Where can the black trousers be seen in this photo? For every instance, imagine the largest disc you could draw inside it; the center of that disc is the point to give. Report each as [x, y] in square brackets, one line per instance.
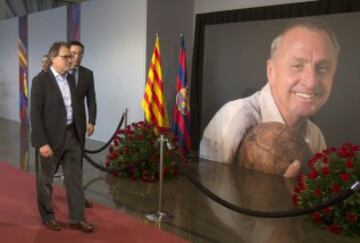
[70, 159]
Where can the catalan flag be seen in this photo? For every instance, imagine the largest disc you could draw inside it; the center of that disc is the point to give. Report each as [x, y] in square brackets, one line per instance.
[153, 103]
[181, 112]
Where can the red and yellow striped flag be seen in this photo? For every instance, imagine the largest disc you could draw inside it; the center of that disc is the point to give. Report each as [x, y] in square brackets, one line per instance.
[154, 103]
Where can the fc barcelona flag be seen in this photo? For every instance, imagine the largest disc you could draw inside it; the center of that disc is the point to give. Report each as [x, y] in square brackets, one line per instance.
[181, 113]
[154, 103]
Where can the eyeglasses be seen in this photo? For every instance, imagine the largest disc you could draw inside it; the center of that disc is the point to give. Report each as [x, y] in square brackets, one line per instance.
[67, 56]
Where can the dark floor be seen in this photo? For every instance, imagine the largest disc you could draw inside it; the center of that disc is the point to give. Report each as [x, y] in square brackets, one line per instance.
[194, 217]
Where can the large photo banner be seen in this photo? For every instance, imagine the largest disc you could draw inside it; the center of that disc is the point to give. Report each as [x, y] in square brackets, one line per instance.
[240, 66]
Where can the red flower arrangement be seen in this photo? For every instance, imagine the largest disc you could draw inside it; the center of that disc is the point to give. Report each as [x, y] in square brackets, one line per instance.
[138, 142]
[332, 171]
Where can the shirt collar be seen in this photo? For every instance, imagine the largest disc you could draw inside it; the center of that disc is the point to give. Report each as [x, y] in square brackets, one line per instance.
[268, 108]
[56, 74]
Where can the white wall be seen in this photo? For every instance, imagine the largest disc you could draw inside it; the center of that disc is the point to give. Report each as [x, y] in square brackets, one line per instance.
[114, 35]
[9, 70]
[44, 28]
[205, 6]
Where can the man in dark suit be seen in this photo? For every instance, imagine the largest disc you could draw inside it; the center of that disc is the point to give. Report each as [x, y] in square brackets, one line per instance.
[56, 135]
[84, 91]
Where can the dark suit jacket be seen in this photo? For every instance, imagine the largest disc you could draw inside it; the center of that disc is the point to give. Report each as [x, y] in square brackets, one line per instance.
[48, 112]
[85, 89]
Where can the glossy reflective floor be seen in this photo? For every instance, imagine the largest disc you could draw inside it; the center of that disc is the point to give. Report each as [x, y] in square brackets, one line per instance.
[195, 217]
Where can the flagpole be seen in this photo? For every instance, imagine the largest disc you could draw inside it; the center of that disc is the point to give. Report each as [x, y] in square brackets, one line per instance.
[154, 106]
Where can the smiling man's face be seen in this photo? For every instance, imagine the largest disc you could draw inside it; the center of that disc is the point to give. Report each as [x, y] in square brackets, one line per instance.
[301, 73]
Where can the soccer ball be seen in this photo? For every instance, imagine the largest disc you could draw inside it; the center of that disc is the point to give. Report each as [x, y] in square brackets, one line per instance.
[270, 147]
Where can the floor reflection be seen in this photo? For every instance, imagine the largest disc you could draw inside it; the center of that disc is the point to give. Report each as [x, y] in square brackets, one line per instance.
[195, 217]
[249, 190]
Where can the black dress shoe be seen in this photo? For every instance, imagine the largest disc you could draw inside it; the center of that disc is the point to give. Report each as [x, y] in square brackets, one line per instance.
[51, 224]
[88, 204]
[83, 226]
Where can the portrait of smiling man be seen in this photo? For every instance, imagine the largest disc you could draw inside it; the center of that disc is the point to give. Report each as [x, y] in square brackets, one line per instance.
[300, 71]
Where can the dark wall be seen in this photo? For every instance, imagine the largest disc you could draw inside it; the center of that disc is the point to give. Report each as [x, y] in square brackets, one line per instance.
[169, 18]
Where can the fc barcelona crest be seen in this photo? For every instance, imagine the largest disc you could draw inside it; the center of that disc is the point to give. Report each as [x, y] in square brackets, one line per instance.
[182, 101]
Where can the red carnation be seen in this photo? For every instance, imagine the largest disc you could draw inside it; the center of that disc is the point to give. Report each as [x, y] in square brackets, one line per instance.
[349, 163]
[325, 170]
[318, 155]
[144, 178]
[326, 151]
[311, 162]
[295, 199]
[302, 186]
[297, 189]
[175, 172]
[317, 192]
[300, 178]
[327, 210]
[346, 152]
[351, 217]
[121, 131]
[316, 216]
[313, 174]
[334, 228]
[344, 177]
[335, 188]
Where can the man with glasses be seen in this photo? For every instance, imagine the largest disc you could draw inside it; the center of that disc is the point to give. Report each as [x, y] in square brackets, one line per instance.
[84, 91]
[56, 135]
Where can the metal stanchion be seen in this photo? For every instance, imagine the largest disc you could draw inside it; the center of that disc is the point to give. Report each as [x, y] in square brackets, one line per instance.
[160, 216]
[126, 117]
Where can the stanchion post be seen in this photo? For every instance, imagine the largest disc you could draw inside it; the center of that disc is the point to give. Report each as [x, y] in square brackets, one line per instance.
[126, 116]
[160, 216]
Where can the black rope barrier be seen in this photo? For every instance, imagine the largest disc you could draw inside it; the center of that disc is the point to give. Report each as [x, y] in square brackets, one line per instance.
[121, 168]
[355, 187]
[110, 140]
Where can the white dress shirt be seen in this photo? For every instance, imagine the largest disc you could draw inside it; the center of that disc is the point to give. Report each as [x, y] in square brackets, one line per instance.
[65, 91]
[227, 128]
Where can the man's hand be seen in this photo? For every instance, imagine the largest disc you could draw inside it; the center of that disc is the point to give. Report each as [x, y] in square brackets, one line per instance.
[45, 151]
[90, 129]
[293, 170]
